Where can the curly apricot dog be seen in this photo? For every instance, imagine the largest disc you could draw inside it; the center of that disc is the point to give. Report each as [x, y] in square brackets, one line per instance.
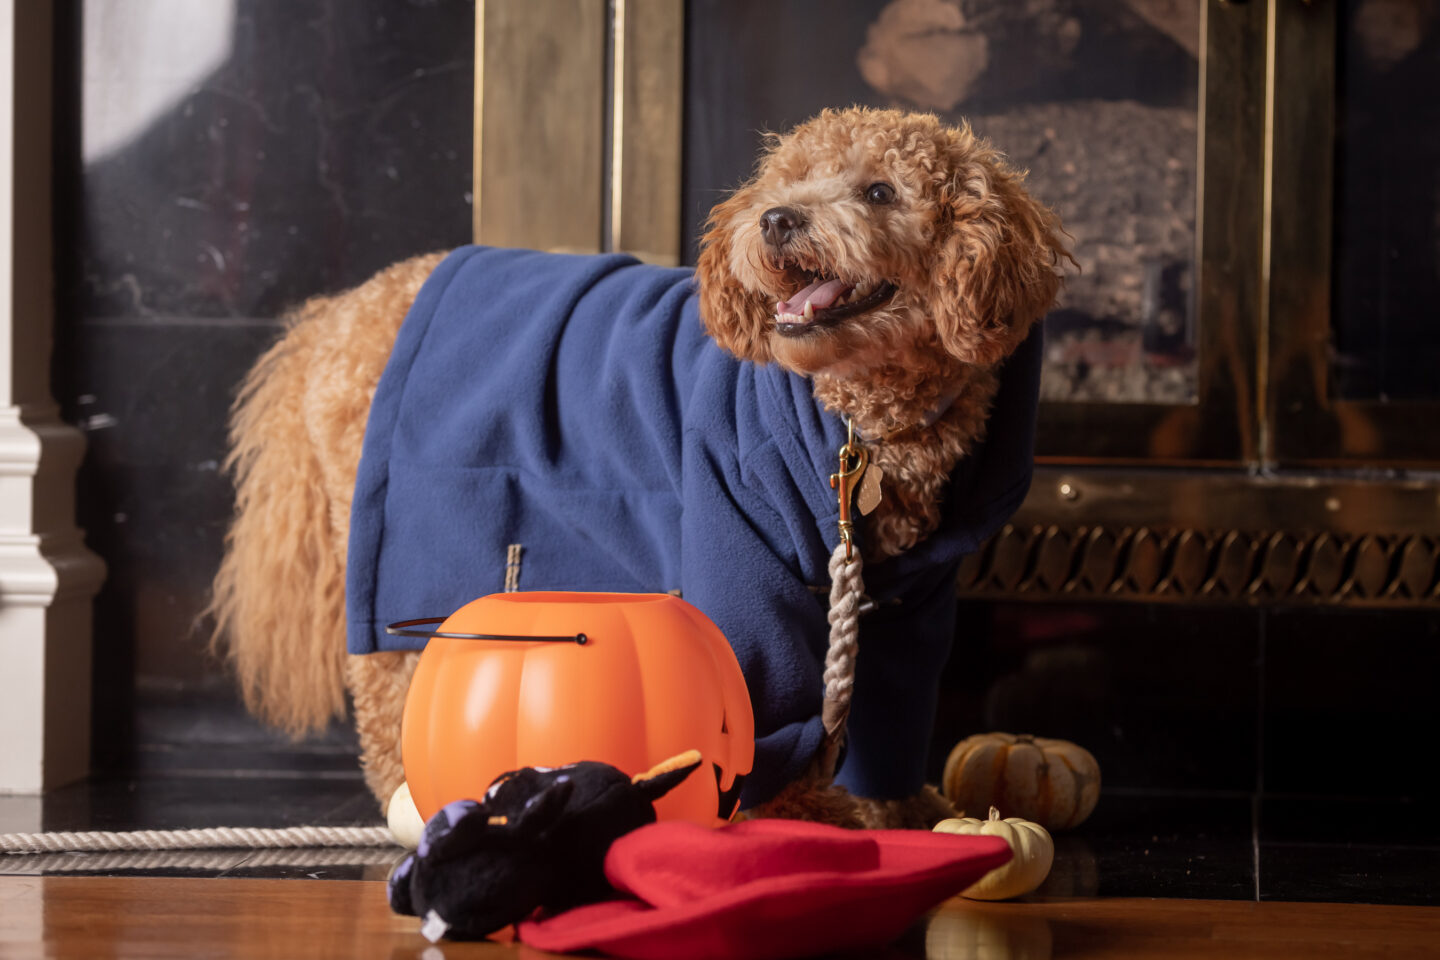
[880, 267]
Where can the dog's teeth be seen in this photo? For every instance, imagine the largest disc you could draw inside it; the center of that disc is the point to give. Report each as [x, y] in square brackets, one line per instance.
[809, 311]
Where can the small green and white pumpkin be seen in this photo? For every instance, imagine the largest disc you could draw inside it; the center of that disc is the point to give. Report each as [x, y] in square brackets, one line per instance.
[1052, 782]
[1033, 849]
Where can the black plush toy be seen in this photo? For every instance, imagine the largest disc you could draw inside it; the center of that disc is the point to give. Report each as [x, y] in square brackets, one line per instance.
[537, 839]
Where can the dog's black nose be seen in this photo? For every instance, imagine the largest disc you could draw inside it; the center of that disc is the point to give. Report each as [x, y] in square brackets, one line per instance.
[779, 224]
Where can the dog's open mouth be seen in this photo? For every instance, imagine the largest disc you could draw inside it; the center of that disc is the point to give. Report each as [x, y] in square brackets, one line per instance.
[825, 301]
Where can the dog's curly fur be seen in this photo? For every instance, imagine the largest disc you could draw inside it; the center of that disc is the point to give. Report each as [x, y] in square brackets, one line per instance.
[974, 261]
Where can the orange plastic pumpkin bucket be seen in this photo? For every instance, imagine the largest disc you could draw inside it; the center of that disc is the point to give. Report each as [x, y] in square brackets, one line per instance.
[547, 678]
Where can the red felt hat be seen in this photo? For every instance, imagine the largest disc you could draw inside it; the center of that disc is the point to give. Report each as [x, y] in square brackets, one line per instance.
[766, 890]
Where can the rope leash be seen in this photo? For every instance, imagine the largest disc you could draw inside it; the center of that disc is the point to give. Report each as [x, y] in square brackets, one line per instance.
[847, 592]
[210, 838]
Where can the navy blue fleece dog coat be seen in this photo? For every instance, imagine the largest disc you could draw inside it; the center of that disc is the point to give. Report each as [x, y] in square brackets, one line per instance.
[573, 405]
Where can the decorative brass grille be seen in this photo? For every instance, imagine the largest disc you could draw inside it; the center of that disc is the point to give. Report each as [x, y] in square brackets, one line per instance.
[1181, 565]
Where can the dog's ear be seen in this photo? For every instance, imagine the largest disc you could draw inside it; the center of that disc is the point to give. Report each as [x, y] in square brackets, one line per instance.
[998, 257]
[733, 317]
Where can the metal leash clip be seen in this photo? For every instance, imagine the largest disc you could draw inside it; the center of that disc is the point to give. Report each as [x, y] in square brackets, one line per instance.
[854, 458]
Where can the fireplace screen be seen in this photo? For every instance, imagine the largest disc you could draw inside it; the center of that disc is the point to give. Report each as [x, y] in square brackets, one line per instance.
[1249, 186]
[1098, 99]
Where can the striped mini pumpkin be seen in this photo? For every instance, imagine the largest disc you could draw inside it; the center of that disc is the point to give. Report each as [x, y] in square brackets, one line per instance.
[1055, 783]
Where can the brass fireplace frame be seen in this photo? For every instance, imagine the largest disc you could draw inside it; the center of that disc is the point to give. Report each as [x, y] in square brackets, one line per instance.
[1265, 489]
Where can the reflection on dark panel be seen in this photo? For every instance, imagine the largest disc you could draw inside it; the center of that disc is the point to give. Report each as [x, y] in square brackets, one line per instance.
[1097, 98]
[1164, 697]
[241, 156]
[1387, 204]
[1290, 703]
[152, 399]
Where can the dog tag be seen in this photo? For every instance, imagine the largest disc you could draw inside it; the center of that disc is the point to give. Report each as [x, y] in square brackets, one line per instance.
[870, 492]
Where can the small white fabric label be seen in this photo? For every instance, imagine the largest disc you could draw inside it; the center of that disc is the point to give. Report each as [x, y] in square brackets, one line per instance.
[434, 927]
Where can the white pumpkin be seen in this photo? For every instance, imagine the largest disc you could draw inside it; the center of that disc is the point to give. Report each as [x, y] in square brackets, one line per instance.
[1032, 848]
[404, 820]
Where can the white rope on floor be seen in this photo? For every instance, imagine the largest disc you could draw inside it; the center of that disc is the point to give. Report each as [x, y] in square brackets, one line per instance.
[237, 860]
[211, 838]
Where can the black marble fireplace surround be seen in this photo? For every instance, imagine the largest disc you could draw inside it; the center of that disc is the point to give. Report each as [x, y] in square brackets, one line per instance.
[332, 138]
[1247, 753]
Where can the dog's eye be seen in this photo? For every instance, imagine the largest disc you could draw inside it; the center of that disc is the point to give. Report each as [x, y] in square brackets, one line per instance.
[880, 193]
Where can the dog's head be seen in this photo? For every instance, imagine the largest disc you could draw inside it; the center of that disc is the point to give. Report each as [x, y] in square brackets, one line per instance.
[900, 232]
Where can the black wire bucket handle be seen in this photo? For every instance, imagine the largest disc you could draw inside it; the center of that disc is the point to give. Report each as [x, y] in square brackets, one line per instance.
[401, 628]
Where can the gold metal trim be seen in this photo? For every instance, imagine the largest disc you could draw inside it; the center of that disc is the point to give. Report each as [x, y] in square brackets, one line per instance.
[1214, 538]
[619, 102]
[1220, 428]
[477, 133]
[540, 123]
[645, 165]
[1264, 406]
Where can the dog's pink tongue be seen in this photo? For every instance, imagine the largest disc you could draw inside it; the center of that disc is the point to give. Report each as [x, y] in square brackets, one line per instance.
[821, 294]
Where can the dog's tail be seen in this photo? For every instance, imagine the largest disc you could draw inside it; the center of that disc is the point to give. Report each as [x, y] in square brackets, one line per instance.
[295, 436]
[279, 596]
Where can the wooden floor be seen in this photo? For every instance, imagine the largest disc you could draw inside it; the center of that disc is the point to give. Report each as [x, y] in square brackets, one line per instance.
[163, 918]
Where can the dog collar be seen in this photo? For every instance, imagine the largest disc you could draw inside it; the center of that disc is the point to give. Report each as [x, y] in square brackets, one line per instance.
[932, 416]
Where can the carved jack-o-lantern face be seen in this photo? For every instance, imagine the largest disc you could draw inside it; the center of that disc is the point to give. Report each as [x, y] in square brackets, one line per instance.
[626, 679]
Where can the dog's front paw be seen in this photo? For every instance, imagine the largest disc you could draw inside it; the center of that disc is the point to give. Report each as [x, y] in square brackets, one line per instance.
[811, 798]
[919, 812]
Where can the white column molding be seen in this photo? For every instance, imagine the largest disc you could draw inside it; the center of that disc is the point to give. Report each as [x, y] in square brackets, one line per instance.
[47, 576]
